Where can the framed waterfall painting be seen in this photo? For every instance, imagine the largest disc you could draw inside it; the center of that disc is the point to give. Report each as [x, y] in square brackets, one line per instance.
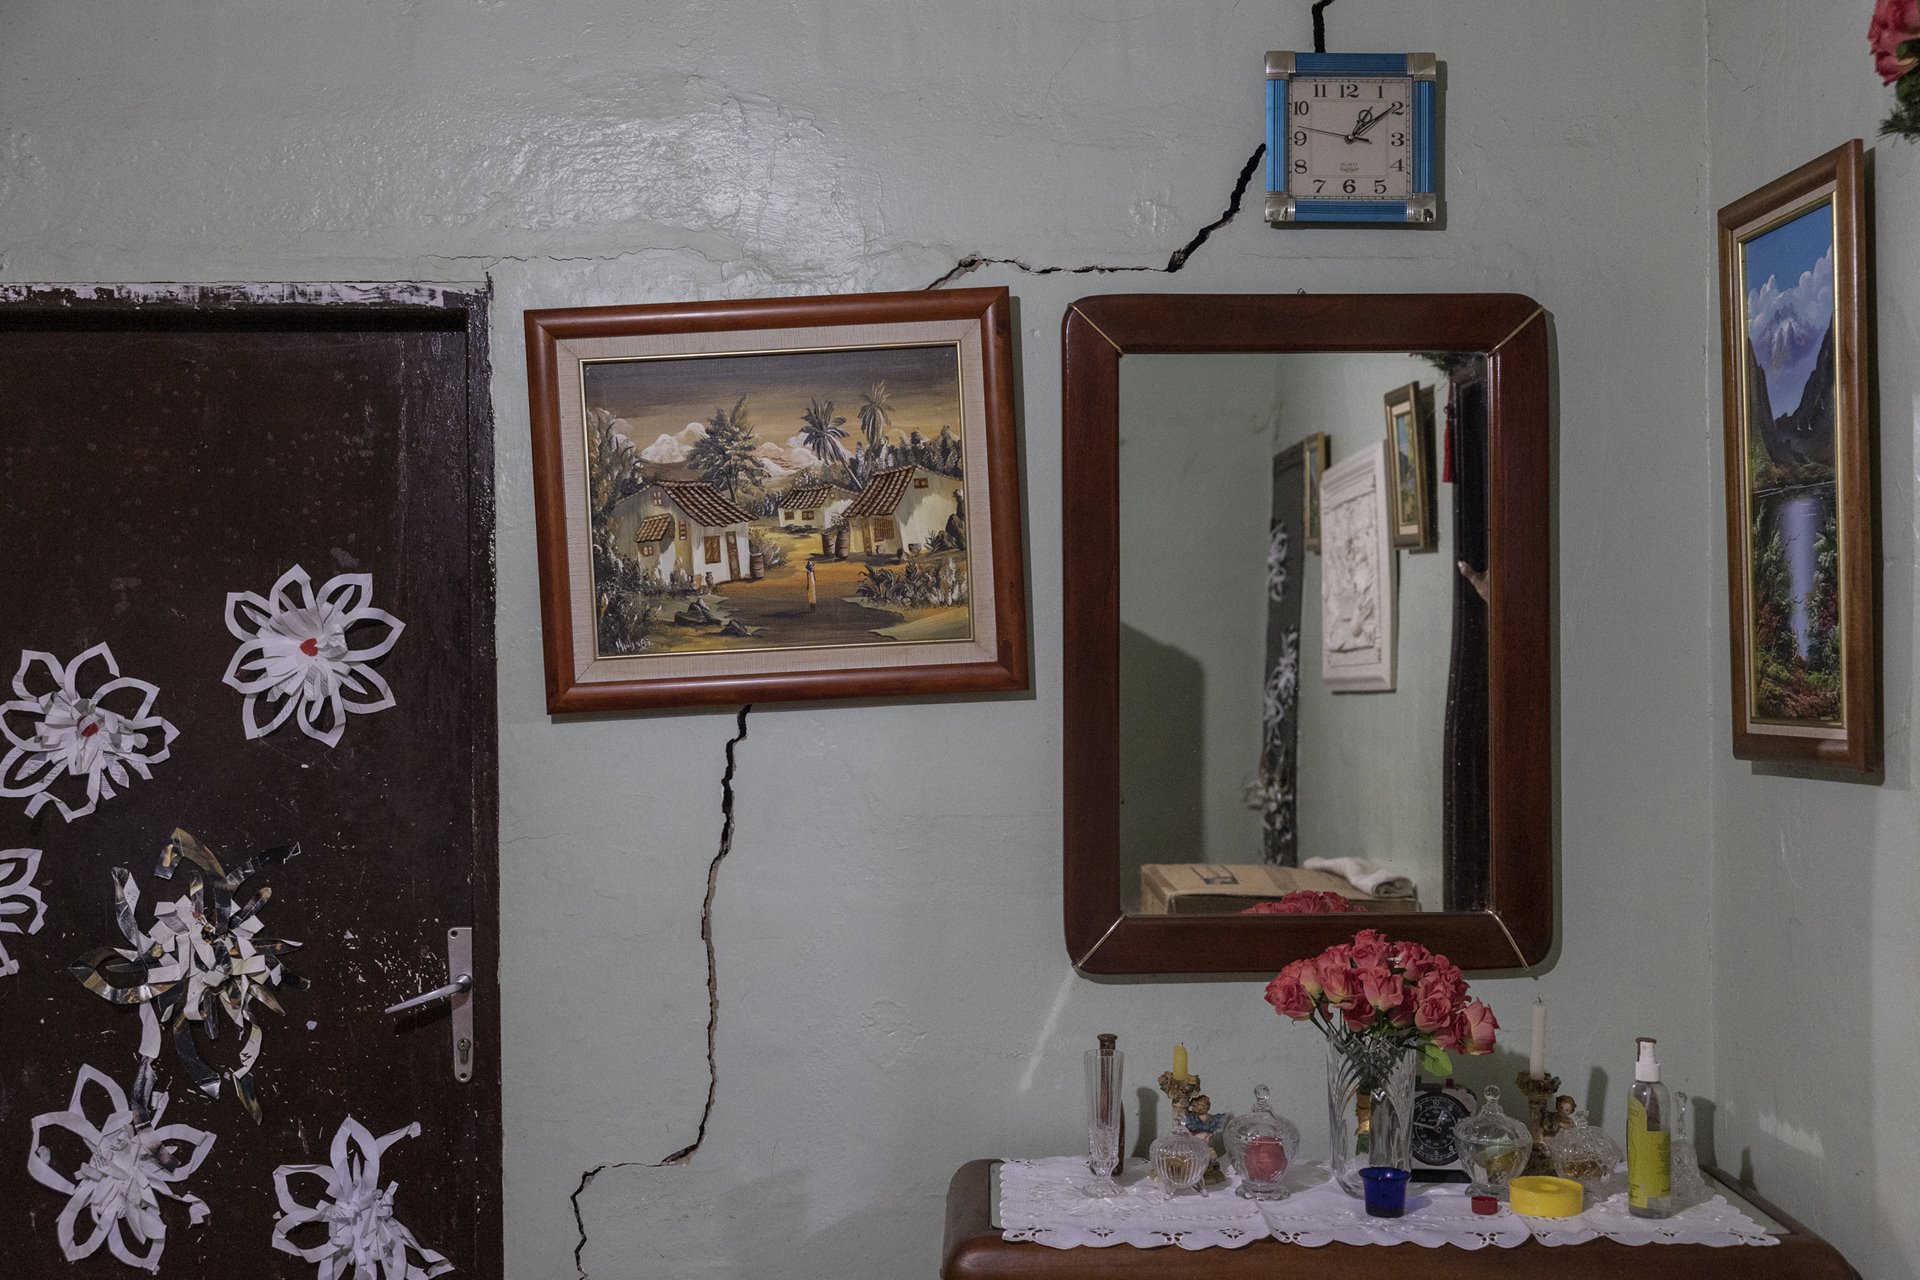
[1800, 468]
[777, 498]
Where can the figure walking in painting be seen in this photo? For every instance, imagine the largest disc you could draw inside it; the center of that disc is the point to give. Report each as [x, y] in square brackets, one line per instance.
[813, 587]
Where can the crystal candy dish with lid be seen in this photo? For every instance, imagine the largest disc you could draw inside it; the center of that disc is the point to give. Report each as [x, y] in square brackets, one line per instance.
[1260, 1145]
[1584, 1154]
[1492, 1145]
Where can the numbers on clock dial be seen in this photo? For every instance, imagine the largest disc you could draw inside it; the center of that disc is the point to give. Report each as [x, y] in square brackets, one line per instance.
[1350, 138]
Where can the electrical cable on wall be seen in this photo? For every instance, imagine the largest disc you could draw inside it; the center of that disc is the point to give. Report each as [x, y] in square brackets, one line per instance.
[1320, 25]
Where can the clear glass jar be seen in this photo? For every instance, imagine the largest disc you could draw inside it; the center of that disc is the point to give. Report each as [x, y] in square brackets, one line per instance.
[1260, 1147]
[1180, 1158]
[1584, 1154]
[1493, 1147]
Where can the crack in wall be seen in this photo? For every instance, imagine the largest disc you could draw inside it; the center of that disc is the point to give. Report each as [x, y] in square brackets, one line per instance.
[685, 1153]
[973, 262]
[1178, 259]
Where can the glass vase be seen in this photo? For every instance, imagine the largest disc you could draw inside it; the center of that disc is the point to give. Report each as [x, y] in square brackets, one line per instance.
[1369, 1106]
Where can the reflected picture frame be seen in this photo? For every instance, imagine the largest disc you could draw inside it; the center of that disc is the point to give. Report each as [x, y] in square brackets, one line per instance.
[1359, 576]
[1410, 468]
[783, 548]
[1800, 481]
[1315, 450]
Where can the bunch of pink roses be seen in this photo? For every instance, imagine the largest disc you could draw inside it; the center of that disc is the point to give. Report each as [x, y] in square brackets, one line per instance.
[1894, 36]
[1396, 992]
[1304, 902]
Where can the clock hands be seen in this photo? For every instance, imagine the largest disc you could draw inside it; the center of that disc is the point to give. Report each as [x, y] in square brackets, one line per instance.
[1335, 133]
[1368, 119]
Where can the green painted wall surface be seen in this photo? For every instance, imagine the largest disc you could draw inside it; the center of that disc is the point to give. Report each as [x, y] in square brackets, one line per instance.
[894, 997]
[1816, 881]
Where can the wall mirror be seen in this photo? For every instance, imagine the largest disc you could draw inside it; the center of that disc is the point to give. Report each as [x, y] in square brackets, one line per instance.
[1307, 613]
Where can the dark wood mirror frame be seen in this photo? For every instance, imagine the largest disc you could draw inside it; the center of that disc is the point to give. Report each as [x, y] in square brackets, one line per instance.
[1515, 928]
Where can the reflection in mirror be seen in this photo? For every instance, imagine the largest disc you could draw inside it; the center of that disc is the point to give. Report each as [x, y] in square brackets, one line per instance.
[1245, 757]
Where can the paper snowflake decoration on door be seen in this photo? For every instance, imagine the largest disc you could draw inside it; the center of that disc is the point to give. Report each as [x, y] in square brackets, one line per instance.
[297, 652]
[202, 959]
[132, 1161]
[363, 1238]
[22, 909]
[83, 720]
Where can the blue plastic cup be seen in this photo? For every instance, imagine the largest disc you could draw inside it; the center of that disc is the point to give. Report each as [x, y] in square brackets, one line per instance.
[1386, 1191]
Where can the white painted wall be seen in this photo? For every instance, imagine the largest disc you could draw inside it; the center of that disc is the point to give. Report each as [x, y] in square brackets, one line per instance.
[1197, 439]
[1816, 882]
[1370, 787]
[894, 996]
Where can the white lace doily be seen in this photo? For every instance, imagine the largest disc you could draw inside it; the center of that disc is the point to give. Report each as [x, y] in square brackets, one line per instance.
[1319, 1212]
[1714, 1222]
[1041, 1201]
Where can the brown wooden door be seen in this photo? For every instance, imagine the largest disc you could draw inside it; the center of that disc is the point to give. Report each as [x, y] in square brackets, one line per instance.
[154, 459]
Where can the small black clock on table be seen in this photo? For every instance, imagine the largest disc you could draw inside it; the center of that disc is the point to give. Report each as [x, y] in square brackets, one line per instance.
[1437, 1109]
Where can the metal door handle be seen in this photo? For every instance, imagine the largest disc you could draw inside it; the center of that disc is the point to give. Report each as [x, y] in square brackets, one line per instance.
[459, 996]
[459, 986]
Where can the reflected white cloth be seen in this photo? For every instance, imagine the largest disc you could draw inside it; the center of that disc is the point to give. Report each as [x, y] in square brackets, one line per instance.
[1040, 1201]
[1364, 875]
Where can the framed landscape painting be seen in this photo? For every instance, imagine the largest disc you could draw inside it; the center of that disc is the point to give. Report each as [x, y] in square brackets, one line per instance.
[1799, 468]
[1410, 468]
[776, 499]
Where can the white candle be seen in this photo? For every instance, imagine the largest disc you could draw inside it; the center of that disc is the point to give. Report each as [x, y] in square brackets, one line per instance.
[1537, 1056]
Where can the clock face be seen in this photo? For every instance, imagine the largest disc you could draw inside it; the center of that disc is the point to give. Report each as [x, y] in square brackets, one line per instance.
[1350, 138]
[1434, 1116]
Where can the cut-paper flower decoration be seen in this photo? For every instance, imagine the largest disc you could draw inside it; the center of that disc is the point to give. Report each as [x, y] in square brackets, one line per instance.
[363, 1238]
[22, 909]
[1277, 544]
[83, 720]
[296, 652]
[203, 957]
[132, 1161]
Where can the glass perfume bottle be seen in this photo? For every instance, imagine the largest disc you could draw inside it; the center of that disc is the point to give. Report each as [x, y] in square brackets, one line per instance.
[1104, 1119]
[1260, 1146]
[1493, 1147]
[1585, 1154]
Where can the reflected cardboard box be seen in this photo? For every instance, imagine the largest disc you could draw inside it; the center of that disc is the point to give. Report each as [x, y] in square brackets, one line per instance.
[1213, 888]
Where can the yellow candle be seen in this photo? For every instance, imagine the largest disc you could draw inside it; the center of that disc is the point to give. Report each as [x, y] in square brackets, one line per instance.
[1179, 1062]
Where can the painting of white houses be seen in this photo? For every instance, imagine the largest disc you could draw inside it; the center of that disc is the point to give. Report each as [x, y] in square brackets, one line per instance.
[905, 510]
[685, 526]
[814, 506]
[783, 499]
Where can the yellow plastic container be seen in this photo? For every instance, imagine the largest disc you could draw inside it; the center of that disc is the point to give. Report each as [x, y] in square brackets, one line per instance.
[1539, 1197]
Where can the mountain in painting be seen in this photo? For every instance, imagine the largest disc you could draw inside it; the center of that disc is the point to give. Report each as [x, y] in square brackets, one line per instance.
[1805, 436]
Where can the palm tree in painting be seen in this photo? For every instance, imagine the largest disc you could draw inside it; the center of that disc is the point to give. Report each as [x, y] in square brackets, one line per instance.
[728, 455]
[823, 432]
[876, 412]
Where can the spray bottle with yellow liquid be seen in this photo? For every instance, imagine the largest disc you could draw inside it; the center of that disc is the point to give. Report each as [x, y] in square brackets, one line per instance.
[1649, 1140]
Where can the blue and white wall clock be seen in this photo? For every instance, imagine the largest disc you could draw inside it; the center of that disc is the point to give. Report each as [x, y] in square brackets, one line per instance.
[1350, 137]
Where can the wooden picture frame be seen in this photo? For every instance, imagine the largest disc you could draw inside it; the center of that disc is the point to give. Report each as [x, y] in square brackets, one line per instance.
[1800, 483]
[1410, 468]
[1314, 451]
[778, 498]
